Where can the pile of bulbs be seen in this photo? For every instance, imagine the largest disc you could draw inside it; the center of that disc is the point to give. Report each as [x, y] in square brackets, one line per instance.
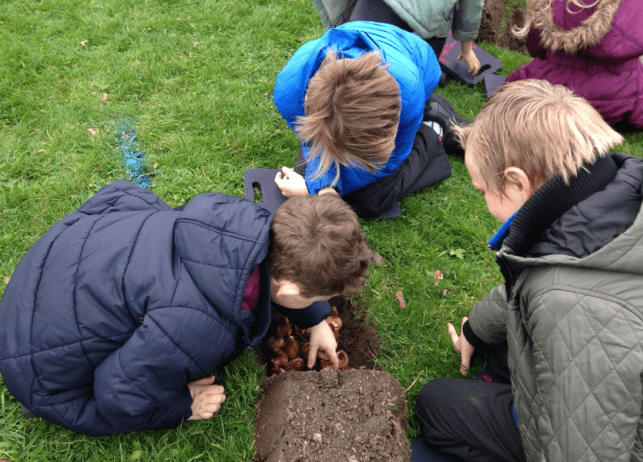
[289, 347]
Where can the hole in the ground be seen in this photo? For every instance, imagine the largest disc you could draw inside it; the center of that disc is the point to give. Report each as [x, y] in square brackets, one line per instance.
[284, 348]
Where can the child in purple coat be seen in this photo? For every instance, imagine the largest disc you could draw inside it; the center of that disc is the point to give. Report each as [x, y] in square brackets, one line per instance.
[593, 48]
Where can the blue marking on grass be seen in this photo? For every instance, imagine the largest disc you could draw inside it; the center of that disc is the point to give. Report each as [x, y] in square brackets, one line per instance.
[133, 158]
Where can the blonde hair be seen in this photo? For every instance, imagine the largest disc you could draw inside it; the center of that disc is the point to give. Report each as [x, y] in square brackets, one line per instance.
[352, 113]
[543, 129]
[590, 31]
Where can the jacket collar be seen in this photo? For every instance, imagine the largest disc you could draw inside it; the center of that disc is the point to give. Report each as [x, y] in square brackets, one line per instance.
[553, 199]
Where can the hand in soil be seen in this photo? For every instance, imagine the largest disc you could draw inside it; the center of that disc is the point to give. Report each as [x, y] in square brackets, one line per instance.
[206, 398]
[322, 338]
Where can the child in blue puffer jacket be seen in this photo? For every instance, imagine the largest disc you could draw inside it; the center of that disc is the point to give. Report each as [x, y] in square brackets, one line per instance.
[357, 98]
[114, 316]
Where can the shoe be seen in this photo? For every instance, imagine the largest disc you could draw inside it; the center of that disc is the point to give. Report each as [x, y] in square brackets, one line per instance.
[444, 79]
[438, 109]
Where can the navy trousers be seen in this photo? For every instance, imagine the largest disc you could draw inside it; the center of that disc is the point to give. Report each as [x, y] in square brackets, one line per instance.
[472, 420]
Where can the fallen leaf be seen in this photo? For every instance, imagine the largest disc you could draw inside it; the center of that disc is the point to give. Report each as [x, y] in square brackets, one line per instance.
[92, 131]
[6, 279]
[438, 275]
[84, 42]
[400, 299]
[104, 96]
[445, 292]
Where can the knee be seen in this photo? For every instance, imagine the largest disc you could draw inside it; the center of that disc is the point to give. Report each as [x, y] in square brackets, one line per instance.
[430, 398]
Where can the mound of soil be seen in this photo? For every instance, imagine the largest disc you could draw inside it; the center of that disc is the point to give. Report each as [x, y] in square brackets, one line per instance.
[345, 416]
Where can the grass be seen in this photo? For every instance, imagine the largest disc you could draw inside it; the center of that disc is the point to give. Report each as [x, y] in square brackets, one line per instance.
[194, 78]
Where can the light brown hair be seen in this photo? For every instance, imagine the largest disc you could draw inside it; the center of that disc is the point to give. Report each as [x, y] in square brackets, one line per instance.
[352, 112]
[316, 243]
[543, 129]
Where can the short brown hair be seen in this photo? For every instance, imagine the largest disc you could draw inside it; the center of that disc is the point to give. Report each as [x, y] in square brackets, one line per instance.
[352, 112]
[543, 129]
[316, 243]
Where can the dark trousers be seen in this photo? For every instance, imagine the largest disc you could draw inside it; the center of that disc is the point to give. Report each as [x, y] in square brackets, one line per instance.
[426, 164]
[472, 420]
[378, 11]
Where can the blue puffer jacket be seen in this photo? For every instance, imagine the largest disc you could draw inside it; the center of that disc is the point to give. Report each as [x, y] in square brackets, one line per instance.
[124, 301]
[411, 61]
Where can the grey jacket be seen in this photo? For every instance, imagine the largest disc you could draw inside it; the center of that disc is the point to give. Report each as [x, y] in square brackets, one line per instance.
[573, 320]
[427, 18]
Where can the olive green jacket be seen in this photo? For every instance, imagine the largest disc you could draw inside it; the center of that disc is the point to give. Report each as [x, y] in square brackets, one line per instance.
[574, 327]
[427, 18]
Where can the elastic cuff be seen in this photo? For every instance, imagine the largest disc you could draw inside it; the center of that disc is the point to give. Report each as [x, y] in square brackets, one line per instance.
[472, 338]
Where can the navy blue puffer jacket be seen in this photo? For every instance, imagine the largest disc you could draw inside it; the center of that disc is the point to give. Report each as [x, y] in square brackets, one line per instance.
[124, 301]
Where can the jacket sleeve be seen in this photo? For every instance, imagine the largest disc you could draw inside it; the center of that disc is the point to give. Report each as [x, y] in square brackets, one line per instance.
[143, 385]
[466, 20]
[585, 352]
[487, 318]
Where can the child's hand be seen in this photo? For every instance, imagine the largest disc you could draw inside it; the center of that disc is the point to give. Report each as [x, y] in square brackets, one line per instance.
[469, 57]
[291, 183]
[206, 398]
[462, 346]
[322, 338]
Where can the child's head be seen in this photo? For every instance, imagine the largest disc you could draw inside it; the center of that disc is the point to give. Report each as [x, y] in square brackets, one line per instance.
[317, 244]
[545, 130]
[538, 14]
[352, 112]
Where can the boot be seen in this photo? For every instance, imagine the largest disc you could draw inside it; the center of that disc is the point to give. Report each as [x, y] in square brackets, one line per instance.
[438, 109]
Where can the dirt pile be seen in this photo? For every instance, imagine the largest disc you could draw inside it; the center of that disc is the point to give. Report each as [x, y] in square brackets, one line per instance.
[348, 416]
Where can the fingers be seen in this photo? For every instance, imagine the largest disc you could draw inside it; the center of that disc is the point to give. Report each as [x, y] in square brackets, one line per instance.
[453, 334]
[464, 319]
[312, 356]
[334, 360]
[205, 380]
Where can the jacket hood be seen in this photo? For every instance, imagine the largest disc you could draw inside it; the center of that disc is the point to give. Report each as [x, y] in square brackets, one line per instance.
[582, 33]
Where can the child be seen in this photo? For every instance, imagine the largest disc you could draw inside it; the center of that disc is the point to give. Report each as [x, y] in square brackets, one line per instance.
[430, 19]
[112, 316]
[356, 97]
[571, 308]
[591, 47]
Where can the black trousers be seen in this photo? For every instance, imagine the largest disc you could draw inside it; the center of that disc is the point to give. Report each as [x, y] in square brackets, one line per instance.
[472, 420]
[378, 11]
[426, 164]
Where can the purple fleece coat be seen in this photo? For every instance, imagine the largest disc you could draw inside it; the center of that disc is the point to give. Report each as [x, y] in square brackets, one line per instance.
[596, 52]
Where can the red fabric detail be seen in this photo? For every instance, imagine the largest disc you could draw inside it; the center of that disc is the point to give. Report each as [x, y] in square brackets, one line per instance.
[251, 292]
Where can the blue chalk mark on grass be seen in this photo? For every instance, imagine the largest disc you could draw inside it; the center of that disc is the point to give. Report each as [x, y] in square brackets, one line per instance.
[133, 158]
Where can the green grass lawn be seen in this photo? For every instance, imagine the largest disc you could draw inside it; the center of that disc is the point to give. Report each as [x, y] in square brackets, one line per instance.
[194, 79]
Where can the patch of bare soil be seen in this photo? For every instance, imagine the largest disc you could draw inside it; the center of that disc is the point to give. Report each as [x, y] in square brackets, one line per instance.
[490, 26]
[348, 416]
